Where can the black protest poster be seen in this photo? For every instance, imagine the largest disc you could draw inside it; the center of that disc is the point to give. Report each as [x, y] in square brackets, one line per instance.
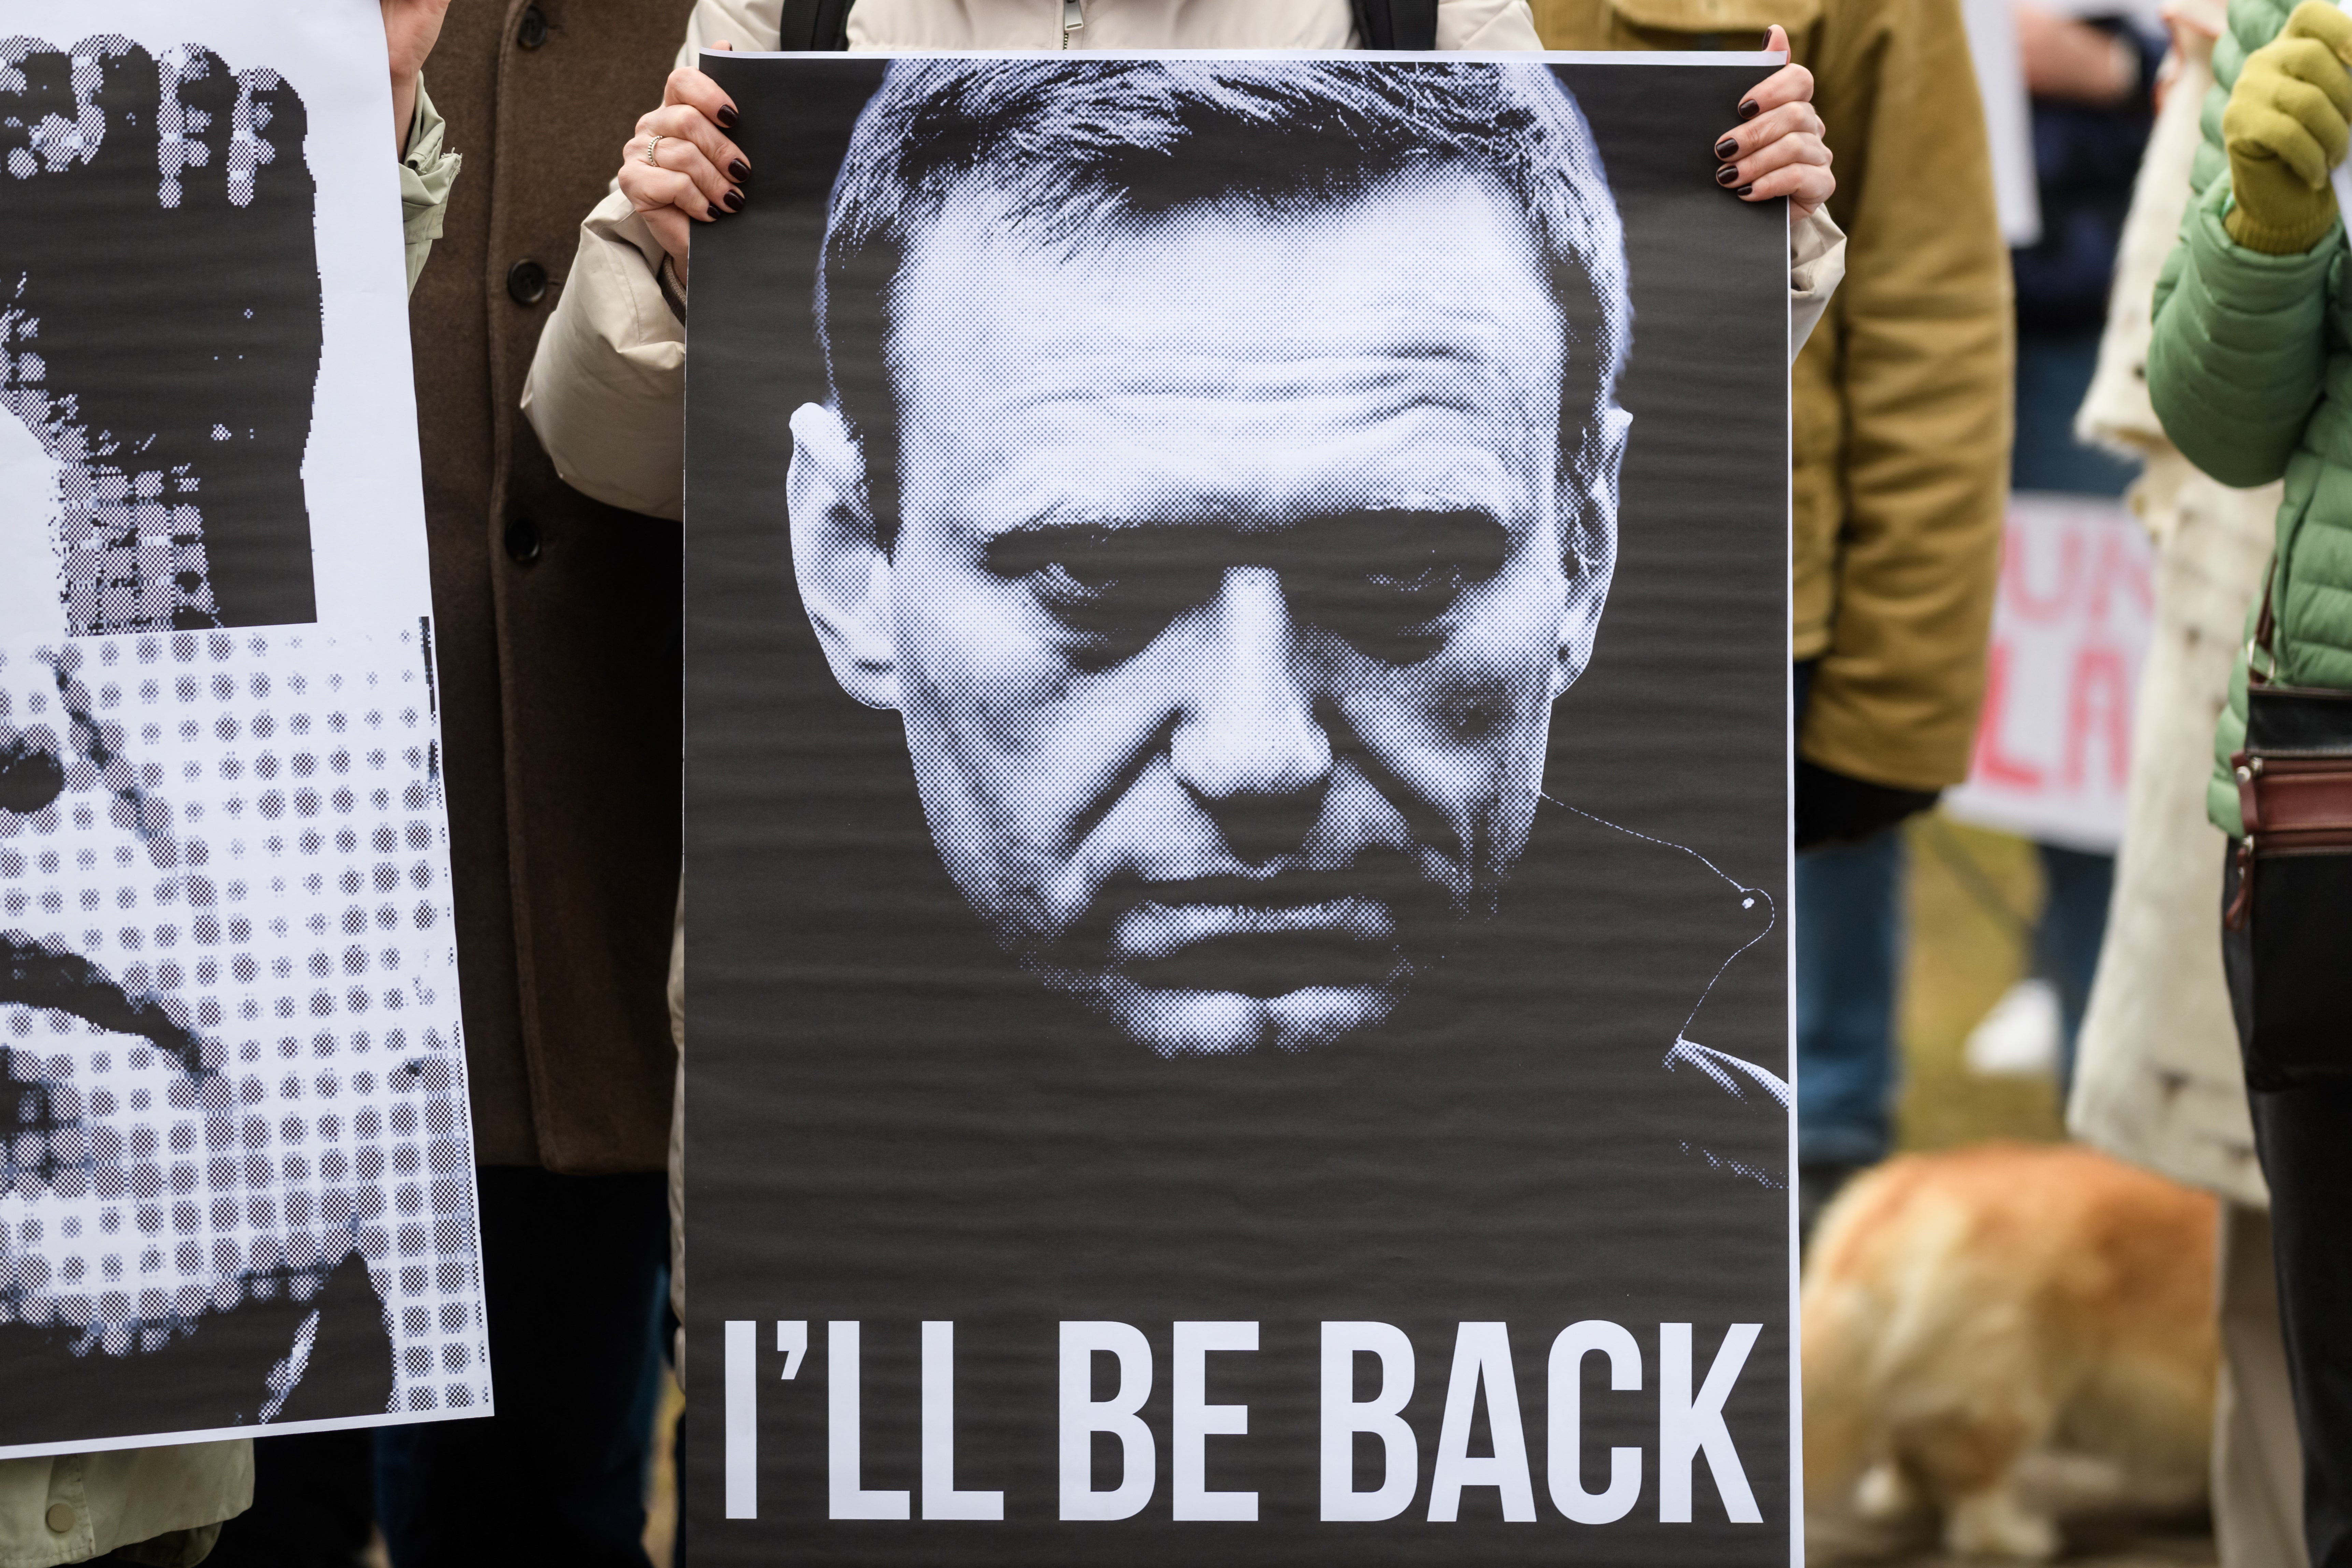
[1236, 804]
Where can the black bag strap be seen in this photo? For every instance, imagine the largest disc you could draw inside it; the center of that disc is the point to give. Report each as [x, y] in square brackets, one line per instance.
[815, 25]
[1397, 24]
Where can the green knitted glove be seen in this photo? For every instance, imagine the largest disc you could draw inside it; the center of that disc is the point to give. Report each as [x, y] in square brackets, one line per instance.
[2288, 124]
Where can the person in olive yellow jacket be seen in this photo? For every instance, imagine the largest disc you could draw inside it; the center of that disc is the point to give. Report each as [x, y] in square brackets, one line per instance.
[1902, 394]
[1902, 419]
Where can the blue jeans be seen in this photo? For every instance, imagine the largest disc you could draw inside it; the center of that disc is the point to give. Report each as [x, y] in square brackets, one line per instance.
[1848, 935]
[2066, 939]
[1848, 922]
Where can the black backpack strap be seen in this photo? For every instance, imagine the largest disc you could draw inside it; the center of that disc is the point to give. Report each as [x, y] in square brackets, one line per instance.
[815, 24]
[1397, 24]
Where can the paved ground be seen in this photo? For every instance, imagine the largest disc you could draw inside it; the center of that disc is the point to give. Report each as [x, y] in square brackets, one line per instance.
[2091, 1543]
[2106, 1523]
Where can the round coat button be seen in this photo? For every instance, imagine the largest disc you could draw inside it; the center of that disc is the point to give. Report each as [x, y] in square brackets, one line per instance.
[533, 31]
[522, 540]
[59, 1519]
[527, 281]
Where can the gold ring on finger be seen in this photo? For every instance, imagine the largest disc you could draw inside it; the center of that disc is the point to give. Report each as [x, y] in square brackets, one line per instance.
[653, 145]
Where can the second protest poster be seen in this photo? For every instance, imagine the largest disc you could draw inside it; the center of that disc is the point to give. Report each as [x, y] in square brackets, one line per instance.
[237, 1177]
[1236, 768]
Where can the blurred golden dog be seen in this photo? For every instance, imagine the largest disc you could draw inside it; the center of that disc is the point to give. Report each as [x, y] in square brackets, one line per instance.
[1962, 1310]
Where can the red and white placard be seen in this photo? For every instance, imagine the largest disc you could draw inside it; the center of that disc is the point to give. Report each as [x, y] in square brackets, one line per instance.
[2069, 630]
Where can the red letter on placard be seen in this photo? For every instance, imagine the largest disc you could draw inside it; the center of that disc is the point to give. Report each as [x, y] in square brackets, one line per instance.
[2099, 683]
[2015, 573]
[1993, 765]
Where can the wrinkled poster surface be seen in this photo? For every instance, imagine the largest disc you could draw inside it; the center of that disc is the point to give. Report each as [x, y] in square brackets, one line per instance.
[1236, 757]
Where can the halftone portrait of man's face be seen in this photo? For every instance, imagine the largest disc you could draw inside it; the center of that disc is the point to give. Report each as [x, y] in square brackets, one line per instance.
[1224, 583]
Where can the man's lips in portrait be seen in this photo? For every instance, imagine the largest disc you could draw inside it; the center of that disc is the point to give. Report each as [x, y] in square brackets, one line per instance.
[1262, 936]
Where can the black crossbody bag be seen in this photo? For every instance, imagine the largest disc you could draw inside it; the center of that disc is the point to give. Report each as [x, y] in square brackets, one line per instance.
[2287, 924]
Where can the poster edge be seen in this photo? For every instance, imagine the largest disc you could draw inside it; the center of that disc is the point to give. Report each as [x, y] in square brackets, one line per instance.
[1749, 59]
[1795, 1371]
[230, 1433]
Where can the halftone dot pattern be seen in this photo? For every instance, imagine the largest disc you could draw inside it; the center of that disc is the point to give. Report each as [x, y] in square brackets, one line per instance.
[229, 1035]
[1231, 750]
[129, 522]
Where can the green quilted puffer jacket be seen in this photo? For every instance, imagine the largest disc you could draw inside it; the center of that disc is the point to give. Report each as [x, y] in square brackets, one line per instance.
[2251, 371]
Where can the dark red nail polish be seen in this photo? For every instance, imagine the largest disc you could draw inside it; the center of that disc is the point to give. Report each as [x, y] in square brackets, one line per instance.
[738, 171]
[1726, 147]
[1727, 175]
[1748, 109]
[1744, 191]
[734, 200]
[726, 117]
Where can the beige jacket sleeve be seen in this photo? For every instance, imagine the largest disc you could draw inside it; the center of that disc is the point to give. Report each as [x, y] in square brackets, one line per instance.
[607, 388]
[171, 1501]
[606, 391]
[1816, 267]
[427, 170]
[1485, 24]
[746, 24]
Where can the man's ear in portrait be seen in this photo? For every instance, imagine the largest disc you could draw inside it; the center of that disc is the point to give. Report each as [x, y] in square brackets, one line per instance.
[1587, 503]
[838, 555]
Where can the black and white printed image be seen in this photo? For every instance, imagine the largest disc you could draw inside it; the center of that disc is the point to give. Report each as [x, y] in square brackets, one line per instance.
[235, 1157]
[159, 339]
[236, 1187]
[1182, 841]
[1225, 621]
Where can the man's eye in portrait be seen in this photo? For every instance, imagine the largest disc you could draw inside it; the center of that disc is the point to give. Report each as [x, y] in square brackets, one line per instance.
[1383, 581]
[1386, 581]
[1111, 590]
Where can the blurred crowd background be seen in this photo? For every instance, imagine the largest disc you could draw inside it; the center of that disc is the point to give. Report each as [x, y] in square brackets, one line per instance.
[1961, 995]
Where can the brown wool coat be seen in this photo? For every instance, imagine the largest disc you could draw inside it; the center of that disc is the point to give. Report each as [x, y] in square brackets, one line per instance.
[556, 616]
[1903, 394]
